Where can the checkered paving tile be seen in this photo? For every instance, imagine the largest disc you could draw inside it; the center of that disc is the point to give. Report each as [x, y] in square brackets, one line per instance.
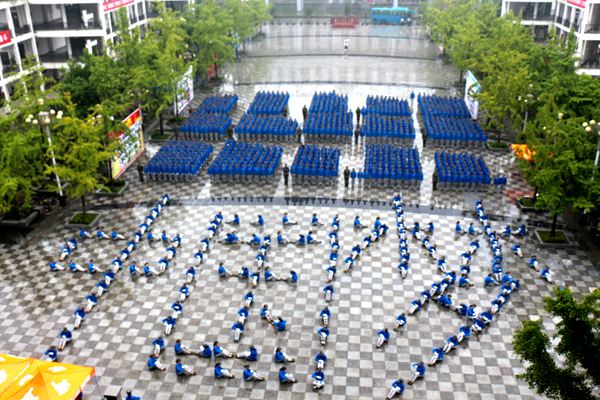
[35, 304]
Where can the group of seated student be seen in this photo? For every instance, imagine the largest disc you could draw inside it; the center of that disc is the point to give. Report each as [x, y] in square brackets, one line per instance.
[245, 162]
[266, 128]
[328, 126]
[170, 321]
[91, 299]
[218, 104]
[403, 266]
[328, 118]
[460, 171]
[447, 121]
[452, 131]
[391, 165]
[202, 125]
[178, 160]
[72, 244]
[314, 164]
[269, 103]
[322, 331]
[386, 106]
[378, 129]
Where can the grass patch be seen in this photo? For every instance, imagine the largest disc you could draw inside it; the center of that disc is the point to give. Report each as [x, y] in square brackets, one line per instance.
[547, 237]
[494, 144]
[113, 186]
[158, 136]
[81, 219]
[527, 202]
[18, 213]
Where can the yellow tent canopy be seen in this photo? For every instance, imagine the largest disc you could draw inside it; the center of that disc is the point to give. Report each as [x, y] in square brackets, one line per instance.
[31, 379]
[523, 152]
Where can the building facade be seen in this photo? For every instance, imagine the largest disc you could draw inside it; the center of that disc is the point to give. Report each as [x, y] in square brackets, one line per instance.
[562, 16]
[52, 32]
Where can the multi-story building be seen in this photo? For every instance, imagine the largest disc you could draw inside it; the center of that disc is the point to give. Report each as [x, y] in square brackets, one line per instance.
[562, 16]
[52, 32]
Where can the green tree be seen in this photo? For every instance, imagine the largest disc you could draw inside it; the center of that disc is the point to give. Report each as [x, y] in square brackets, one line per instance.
[22, 143]
[563, 160]
[80, 151]
[209, 29]
[579, 344]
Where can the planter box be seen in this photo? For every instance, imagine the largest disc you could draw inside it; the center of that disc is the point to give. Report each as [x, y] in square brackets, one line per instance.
[567, 245]
[528, 208]
[20, 223]
[497, 149]
[100, 193]
[91, 224]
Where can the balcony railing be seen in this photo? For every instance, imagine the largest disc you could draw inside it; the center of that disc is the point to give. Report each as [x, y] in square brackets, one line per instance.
[57, 56]
[592, 28]
[545, 17]
[57, 25]
[8, 68]
[591, 63]
[23, 29]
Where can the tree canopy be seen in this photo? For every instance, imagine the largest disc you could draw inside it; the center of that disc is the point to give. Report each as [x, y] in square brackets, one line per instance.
[577, 375]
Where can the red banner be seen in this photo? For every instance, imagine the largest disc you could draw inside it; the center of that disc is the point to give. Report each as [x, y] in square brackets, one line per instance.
[577, 3]
[114, 4]
[5, 37]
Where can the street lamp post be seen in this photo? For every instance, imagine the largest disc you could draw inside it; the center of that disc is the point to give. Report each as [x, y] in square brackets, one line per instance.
[527, 100]
[589, 127]
[44, 119]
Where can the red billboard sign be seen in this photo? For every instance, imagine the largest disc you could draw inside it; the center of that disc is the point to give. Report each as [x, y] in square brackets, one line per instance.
[5, 37]
[114, 4]
[577, 3]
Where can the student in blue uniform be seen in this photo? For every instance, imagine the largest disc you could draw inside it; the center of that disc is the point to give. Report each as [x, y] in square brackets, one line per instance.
[438, 355]
[169, 323]
[265, 313]
[238, 329]
[182, 350]
[418, 371]
[293, 277]
[51, 354]
[328, 292]
[383, 336]
[282, 357]
[249, 355]
[396, 389]
[451, 343]
[400, 321]
[463, 333]
[223, 272]
[221, 373]
[190, 274]
[286, 377]
[357, 223]
[79, 317]
[251, 375]
[279, 324]
[323, 333]
[130, 396]
[314, 221]
[281, 240]
[155, 364]
[321, 360]
[205, 351]
[318, 379]
[55, 267]
[220, 351]
[65, 337]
